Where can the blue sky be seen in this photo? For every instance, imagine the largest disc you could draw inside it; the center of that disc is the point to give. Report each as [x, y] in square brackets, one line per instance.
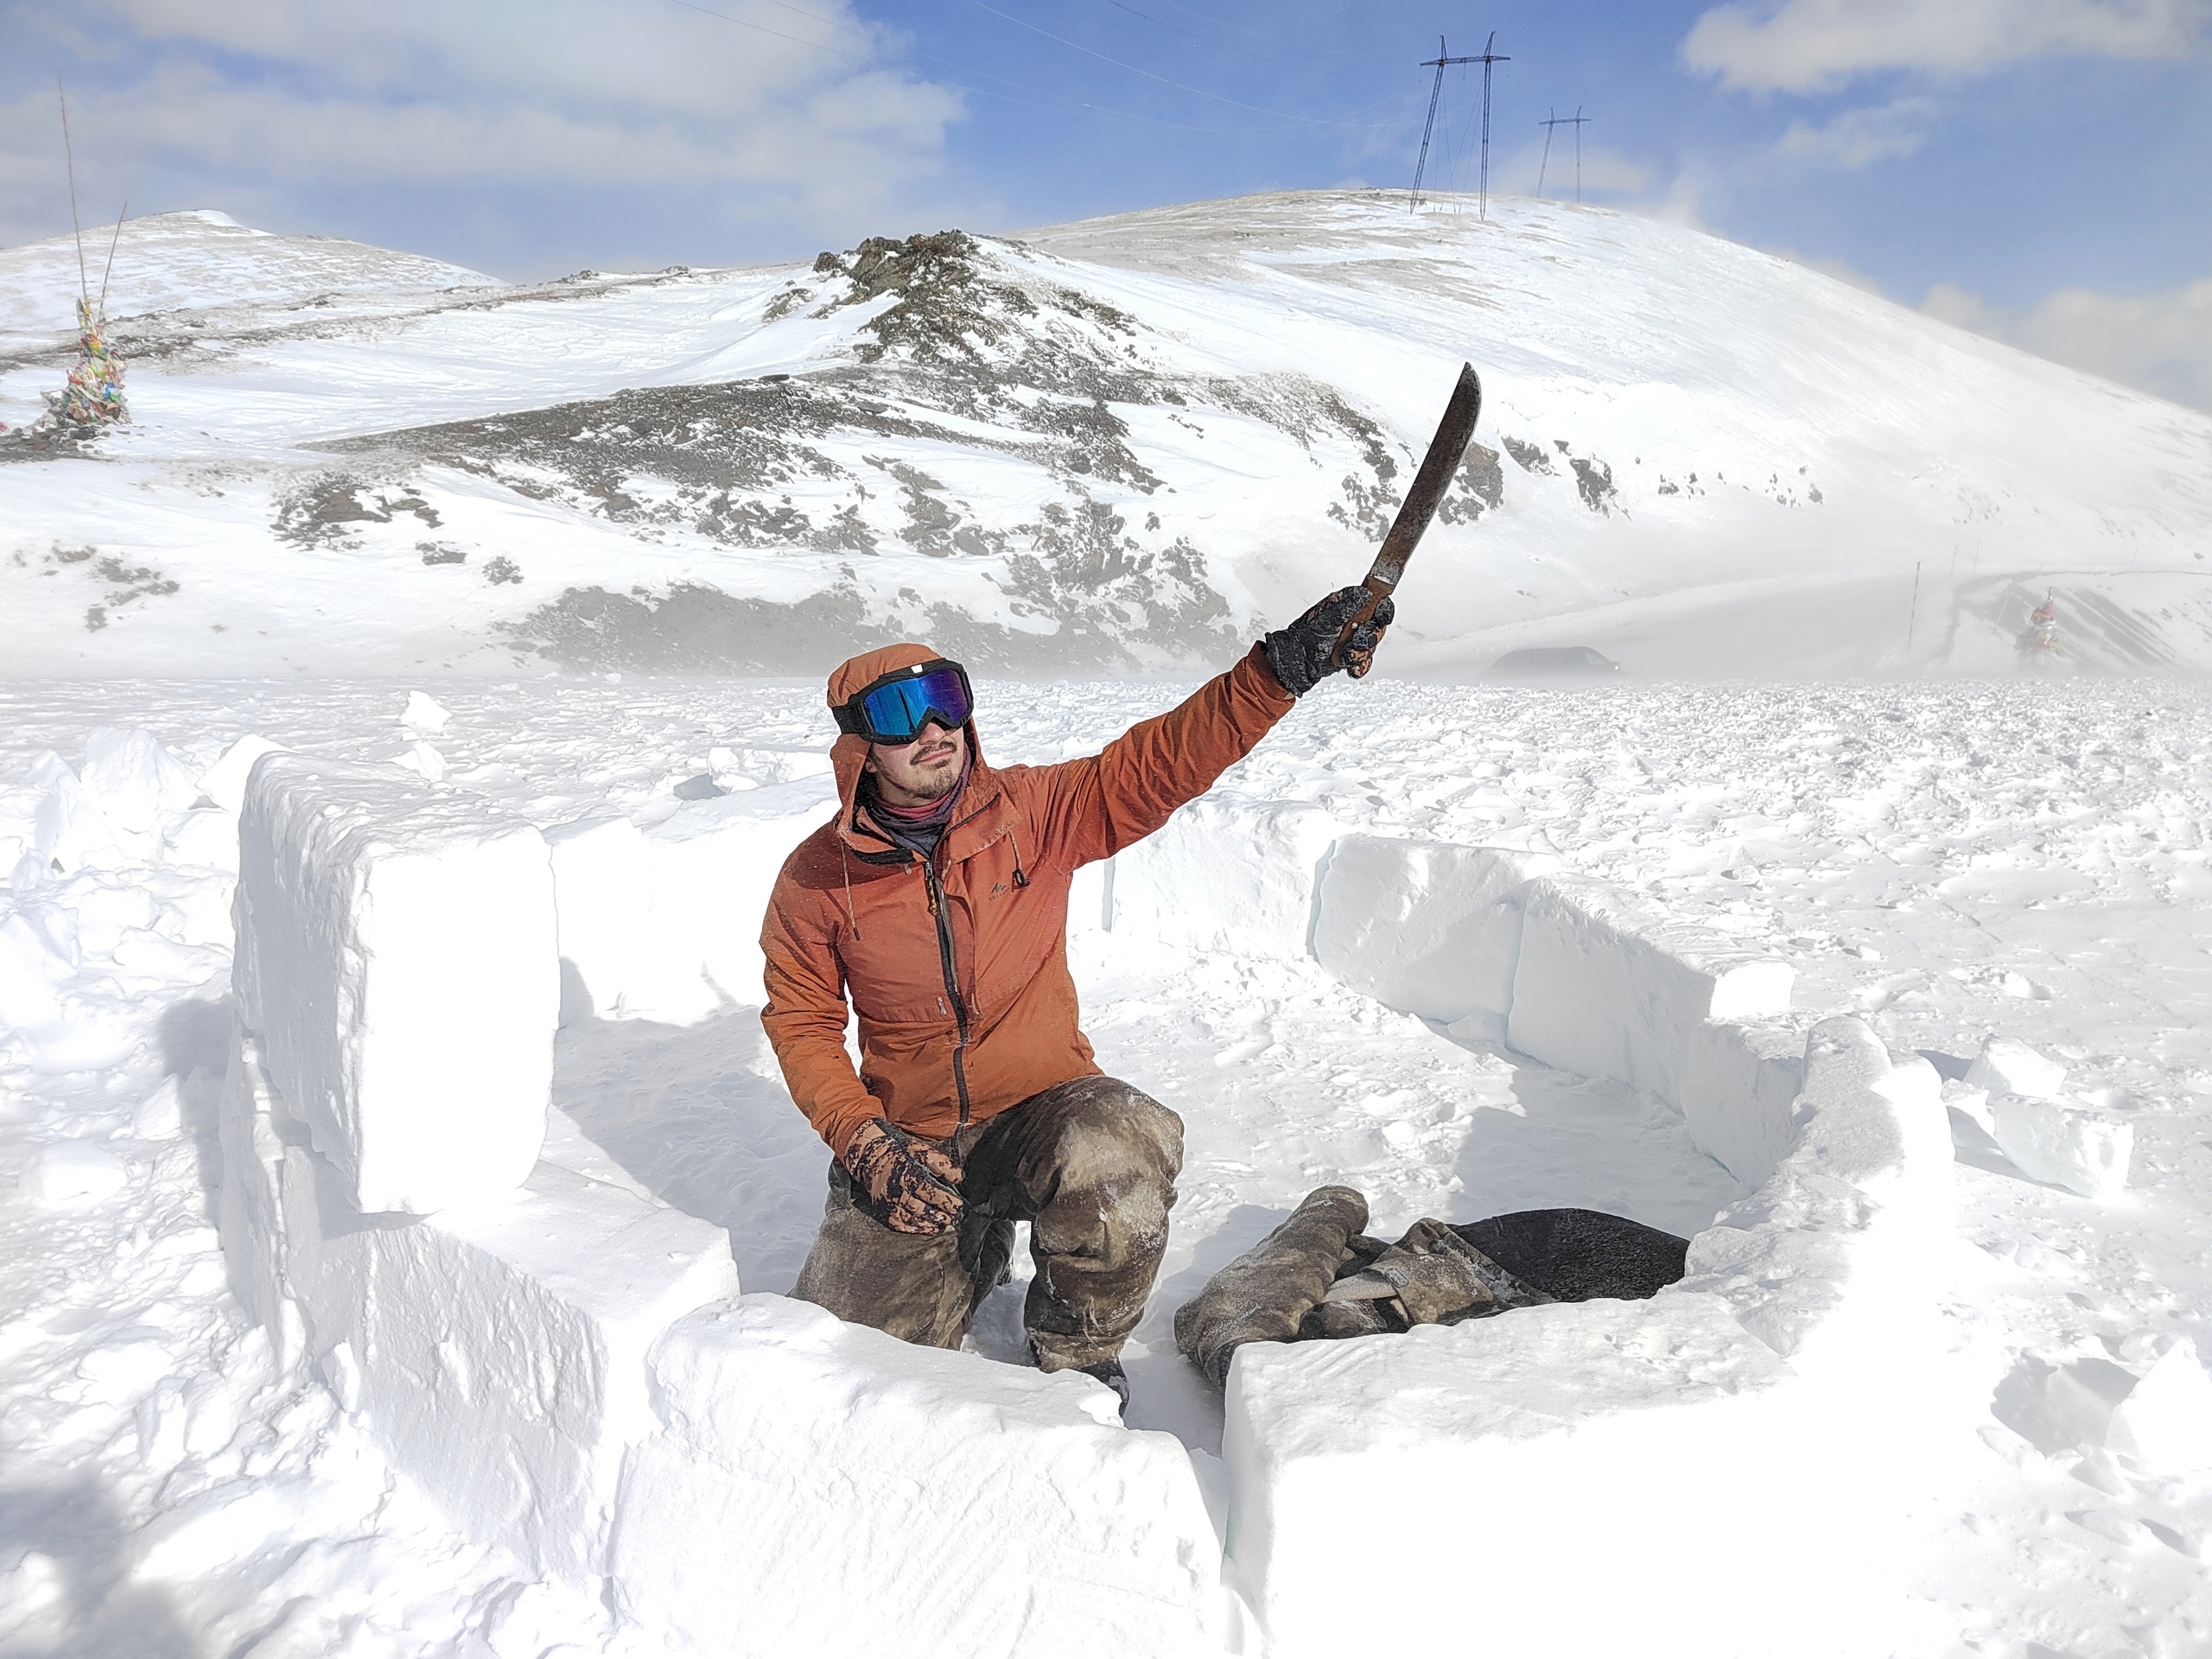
[2039, 170]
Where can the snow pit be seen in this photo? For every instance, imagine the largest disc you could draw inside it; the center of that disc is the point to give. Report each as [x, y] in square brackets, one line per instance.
[561, 1367]
[820, 1485]
[1656, 1436]
[396, 951]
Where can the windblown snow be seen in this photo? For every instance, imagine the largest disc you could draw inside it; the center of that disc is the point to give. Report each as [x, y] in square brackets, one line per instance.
[1105, 447]
[506, 1428]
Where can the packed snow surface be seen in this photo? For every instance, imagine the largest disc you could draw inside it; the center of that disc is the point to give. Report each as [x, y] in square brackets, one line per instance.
[1098, 448]
[1471, 950]
[1955, 863]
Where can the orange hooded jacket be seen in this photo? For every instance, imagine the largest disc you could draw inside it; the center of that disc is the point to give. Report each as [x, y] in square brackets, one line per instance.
[957, 965]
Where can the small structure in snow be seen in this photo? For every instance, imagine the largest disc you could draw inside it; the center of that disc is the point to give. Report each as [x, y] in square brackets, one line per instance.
[93, 394]
[2038, 646]
[1553, 662]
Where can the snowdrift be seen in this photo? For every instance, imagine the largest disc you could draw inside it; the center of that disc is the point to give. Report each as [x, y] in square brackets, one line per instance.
[1112, 447]
[569, 1366]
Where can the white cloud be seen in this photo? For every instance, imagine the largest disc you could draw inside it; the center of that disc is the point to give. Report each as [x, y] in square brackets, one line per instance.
[2159, 343]
[544, 94]
[1802, 46]
[1604, 172]
[1858, 137]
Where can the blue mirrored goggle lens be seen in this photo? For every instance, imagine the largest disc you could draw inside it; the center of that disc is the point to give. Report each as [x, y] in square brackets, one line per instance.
[896, 712]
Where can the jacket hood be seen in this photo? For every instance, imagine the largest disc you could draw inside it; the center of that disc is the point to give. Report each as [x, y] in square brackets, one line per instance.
[849, 751]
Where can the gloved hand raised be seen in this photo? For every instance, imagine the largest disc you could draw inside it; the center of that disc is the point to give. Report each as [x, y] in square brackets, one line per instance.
[1305, 653]
[912, 1185]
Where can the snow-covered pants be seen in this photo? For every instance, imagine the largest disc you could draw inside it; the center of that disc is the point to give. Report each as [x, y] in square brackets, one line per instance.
[1090, 1165]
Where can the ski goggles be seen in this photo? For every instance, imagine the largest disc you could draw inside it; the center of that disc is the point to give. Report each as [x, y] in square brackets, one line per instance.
[894, 708]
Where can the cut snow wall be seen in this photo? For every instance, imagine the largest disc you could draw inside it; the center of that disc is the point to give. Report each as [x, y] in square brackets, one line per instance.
[1427, 927]
[496, 1350]
[395, 953]
[1624, 1477]
[1758, 1413]
[822, 1487]
[1222, 875]
[1581, 976]
[1828, 1261]
[1609, 985]
[664, 923]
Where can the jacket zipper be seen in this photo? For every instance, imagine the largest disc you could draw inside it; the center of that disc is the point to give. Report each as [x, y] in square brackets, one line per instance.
[939, 909]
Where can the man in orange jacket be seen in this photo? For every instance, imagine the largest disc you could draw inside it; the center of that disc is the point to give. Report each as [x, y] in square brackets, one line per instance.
[936, 899]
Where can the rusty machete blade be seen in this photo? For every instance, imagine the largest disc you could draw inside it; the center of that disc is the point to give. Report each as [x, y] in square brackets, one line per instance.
[1453, 433]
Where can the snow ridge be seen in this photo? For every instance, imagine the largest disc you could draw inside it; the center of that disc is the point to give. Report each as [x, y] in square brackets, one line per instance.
[1109, 447]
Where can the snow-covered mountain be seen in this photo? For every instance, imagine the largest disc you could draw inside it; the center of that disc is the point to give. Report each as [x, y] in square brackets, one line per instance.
[1122, 445]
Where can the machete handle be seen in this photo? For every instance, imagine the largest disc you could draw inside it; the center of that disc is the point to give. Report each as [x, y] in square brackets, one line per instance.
[1430, 484]
[1377, 591]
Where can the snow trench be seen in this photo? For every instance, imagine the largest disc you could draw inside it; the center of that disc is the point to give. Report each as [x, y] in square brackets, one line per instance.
[570, 1367]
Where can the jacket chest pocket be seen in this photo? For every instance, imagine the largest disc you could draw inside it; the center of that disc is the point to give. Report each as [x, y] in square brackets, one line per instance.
[1017, 932]
[894, 971]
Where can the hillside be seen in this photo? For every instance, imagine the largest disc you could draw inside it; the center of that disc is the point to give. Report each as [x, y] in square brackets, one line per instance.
[1118, 446]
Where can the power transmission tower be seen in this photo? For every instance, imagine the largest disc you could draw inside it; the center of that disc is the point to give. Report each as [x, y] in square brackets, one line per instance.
[1438, 63]
[1487, 58]
[1578, 121]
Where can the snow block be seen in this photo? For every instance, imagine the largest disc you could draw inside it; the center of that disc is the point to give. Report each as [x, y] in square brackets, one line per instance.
[1225, 875]
[396, 953]
[1829, 1262]
[496, 1351]
[2165, 1422]
[1609, 984]
[819, 1487]
[1426, 927]
[1455, 1488]
[663, 922]
[2072, 1147]
[2006, 1066]
[1738, 1092]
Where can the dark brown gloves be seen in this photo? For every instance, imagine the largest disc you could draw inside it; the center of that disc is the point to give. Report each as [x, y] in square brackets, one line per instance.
[912, 1186]
[1305, 653]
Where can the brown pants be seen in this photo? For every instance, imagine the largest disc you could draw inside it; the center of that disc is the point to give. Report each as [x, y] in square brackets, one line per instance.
[1090, 1165]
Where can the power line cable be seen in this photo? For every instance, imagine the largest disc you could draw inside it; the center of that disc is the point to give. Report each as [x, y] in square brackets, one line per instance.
[1192, 33]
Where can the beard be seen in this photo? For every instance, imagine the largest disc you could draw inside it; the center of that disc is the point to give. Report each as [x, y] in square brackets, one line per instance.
[936, 778]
